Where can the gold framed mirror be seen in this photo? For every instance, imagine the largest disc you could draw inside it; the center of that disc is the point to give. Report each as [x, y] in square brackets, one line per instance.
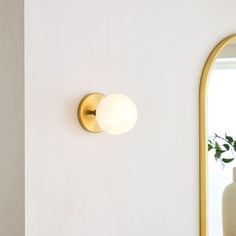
[205, 201]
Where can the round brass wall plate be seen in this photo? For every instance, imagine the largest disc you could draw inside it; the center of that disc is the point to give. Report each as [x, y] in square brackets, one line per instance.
[87, 112]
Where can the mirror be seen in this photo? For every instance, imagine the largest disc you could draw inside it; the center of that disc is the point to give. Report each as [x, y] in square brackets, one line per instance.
[218, 141]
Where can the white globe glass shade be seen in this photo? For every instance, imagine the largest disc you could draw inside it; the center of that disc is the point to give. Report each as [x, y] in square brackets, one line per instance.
[116, 114]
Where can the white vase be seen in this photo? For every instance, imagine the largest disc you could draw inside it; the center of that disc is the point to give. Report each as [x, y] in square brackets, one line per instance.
[229, 208]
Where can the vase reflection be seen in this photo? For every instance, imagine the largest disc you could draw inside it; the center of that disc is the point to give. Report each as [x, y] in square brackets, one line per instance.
[229, 208]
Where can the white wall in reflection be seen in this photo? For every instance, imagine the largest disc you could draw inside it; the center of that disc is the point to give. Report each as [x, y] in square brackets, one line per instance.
[221, 119]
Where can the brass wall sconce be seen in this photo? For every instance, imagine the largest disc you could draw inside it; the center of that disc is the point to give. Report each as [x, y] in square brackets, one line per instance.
[114, 114]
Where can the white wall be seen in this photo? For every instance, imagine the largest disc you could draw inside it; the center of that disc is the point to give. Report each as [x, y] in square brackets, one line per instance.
[11, 118]
[144, 182]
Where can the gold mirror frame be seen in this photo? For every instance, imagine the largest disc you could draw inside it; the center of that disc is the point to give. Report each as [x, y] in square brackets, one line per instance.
[203, 131]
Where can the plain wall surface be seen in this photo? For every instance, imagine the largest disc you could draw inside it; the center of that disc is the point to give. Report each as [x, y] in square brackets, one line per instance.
[11, 118]
[144, 182]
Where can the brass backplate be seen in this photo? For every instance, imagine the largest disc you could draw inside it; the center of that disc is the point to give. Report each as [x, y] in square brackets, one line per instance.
[87, 112]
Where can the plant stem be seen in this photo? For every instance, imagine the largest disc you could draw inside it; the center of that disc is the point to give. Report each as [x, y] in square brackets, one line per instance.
[217, 136]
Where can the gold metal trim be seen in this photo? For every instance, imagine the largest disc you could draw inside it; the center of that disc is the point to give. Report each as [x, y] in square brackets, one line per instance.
[203, 92]
[87, 112]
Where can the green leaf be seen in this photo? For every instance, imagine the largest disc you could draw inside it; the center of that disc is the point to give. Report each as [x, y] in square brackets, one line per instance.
[229, 138]
[218, 153]
[227, 160]
[234, 145]
[209, 141]
[217, 147]
[210, 147]
[226, 146]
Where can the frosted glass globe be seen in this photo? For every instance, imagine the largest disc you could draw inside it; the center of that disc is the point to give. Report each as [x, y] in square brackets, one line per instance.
[116, 114]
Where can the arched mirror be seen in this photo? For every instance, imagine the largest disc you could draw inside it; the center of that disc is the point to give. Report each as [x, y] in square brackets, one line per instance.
[218, 141]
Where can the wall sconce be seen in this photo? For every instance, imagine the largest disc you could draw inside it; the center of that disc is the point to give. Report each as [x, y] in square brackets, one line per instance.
[114, 114]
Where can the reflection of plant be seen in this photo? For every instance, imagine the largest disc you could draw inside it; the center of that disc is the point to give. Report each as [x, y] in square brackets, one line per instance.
[222, 145]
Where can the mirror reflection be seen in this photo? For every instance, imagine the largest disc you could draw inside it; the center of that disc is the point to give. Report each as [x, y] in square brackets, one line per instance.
[221, 160]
